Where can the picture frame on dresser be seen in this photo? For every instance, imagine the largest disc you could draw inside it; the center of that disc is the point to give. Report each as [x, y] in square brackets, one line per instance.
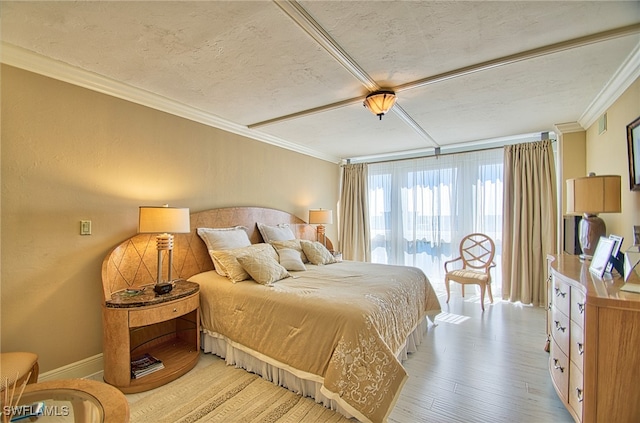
[601, 256]
[633, 146]
[616, 260]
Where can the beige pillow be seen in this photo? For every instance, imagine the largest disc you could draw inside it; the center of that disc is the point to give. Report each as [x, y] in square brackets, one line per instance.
[293, 244]
[227, 259]
[281, 232]
[291, 259]
[262, 268]
[317, 253]
[223, 239]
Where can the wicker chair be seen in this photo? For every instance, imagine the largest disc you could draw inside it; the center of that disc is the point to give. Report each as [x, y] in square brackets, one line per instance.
[18, 367]
[476, 257]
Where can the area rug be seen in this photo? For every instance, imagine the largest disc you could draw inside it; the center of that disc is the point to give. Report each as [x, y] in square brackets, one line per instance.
[221, 393]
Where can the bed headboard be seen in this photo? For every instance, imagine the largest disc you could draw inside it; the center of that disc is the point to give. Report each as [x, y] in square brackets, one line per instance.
[133, 262]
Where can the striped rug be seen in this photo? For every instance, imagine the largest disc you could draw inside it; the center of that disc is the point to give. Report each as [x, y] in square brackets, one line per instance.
[221, 393]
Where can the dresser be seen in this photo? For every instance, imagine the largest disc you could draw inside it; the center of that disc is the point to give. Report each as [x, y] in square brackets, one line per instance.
[594, 333]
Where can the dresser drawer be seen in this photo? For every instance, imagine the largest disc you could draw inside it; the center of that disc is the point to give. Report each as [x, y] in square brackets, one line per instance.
[576, 394]
[576, 345]
[560, 330]
[160, 313]
[561, 296]
[559, 369]
[578, 306]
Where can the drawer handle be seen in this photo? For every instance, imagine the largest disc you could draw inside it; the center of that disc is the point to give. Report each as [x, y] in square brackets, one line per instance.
[557, 366]
[560, 293]
[580, 348]
[581, 307]
[579, 394]
[558, 327]
[175, 310]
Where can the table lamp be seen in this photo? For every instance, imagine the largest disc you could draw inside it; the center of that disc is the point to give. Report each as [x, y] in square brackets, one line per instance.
[163, 221]
[321, 217]
[590, 196]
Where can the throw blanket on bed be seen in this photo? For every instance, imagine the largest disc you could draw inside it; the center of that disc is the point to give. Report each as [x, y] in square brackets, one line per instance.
[341, 324]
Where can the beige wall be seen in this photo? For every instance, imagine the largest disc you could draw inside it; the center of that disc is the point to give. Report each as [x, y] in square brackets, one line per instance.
[607, 155]
[70, 154]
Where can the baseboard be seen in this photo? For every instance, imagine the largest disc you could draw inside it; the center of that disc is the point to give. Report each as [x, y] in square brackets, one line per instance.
[78, 370]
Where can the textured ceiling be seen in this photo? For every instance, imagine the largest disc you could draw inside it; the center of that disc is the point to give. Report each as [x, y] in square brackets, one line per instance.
[295, 73]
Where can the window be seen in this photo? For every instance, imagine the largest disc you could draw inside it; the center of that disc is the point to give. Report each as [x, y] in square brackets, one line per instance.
[420, 209]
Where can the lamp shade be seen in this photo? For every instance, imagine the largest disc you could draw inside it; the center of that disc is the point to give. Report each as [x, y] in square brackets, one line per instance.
[321, 217]
[163, 219]
[594, 194]
[380, 102]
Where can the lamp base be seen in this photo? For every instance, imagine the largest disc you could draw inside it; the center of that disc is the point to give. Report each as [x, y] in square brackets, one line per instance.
[590, 228]
[163, 288]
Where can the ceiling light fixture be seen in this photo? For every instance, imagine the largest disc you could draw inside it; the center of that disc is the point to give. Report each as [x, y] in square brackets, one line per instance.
[380, 102]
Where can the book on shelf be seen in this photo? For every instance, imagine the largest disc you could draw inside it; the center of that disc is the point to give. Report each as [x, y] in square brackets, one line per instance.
[145, 364]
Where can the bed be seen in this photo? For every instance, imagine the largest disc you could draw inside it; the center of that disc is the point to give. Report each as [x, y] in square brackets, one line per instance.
[336, 331]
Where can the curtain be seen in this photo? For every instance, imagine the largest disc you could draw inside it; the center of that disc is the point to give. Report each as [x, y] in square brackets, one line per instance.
[354, 228]
[529, 227]
[420, 209]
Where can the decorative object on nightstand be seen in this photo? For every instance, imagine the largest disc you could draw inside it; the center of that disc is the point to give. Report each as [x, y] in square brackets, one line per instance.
[163, 221]
[592, 195]
[321, 217]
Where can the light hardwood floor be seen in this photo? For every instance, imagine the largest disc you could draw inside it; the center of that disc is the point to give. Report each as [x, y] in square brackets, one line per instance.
[481, 367]
[475, 367]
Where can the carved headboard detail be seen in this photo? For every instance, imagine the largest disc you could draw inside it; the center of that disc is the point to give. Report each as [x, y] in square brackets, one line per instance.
[133, 263]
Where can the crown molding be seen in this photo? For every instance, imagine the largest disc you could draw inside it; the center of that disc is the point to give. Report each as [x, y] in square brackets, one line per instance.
[33, 62]
[568, 127]
[627, 74]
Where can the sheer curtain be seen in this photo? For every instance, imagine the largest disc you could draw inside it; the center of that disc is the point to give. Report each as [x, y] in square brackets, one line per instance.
[420, 209]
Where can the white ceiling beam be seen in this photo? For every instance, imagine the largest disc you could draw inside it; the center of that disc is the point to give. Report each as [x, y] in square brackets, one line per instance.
[322, 37]
[467, 70]
[305, 21]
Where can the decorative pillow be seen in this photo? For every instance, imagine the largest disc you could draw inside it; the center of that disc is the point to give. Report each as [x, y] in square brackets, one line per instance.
[262, 268]
[227, 259]
[223, 239]
[291, 259]
[281, 232]
[293, 244]
[317, 253]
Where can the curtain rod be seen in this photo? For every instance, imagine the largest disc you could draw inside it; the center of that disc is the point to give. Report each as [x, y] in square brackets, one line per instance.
[442, 154]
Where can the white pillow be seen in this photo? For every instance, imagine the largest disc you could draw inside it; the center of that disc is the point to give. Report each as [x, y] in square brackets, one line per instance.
[317, 253]
[281, 232]
[291, 259]
[218, 239]
[293, 244]
[228, 262]
[262, 268]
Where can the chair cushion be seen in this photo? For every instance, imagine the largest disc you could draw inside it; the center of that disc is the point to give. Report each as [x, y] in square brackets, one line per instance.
[16, 365]
[467, 276]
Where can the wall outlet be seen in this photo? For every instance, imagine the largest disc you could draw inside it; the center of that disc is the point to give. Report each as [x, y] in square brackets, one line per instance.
[85, 227]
